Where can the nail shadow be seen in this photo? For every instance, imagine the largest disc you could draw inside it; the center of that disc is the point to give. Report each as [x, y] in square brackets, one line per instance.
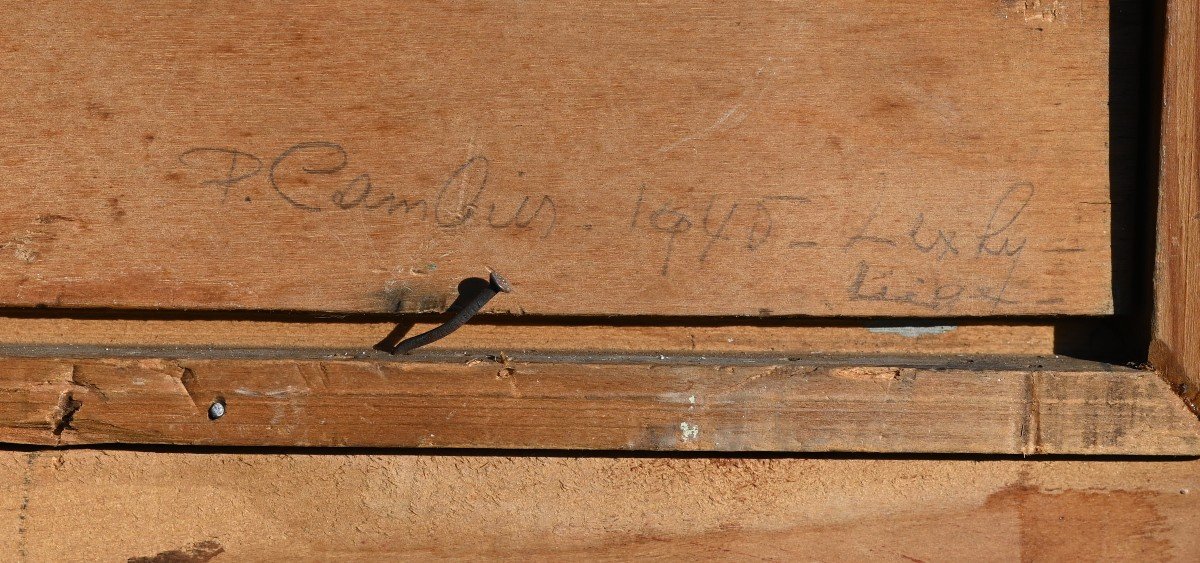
[468, 290]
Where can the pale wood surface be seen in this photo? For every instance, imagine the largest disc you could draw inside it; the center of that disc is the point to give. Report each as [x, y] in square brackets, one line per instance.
[885, 157]
[87, 505]
[672, 403]
[495, 336]
[1176, 347]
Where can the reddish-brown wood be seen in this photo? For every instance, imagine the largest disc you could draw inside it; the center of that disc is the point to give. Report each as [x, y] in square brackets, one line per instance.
[882, 157]
[115, 505]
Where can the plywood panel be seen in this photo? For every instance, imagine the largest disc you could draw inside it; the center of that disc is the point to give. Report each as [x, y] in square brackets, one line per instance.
[885, 157]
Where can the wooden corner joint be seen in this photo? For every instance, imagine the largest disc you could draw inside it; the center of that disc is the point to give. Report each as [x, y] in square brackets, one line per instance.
[1167, 365]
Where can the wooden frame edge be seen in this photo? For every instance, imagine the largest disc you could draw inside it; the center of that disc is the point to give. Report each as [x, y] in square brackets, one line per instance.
[1175, 348]
[715, 406]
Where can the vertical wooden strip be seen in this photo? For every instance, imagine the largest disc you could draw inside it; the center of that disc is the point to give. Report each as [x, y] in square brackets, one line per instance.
[1176, 347]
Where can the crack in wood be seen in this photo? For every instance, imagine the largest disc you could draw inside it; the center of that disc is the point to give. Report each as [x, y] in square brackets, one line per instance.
[1031, 424]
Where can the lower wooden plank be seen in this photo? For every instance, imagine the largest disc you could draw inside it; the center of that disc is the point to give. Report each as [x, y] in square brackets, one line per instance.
[72, 505]
[722, 404]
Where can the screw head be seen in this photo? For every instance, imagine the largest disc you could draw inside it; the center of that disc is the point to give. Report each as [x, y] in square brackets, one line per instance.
[216, 409]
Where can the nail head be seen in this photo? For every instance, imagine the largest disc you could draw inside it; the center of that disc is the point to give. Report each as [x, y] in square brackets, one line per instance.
[500, 283]
[216, 409]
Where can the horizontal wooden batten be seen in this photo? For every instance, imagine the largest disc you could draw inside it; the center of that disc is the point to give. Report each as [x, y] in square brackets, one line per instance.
[685, 157]
[518, 334]
[969, 405]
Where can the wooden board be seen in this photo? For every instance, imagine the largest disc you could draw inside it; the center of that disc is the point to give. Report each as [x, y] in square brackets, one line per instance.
[1176, 346]
[885, 157]
[124, 505]
[777, 336]
[622, 403]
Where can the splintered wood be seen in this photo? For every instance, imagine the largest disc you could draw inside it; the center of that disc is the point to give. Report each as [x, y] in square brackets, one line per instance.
[884, 157]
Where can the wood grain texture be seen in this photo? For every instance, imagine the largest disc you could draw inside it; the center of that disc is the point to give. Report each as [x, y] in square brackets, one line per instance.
[725, 404]
[1176, 347]
[115, 505]
[493, 336]
[884, 157]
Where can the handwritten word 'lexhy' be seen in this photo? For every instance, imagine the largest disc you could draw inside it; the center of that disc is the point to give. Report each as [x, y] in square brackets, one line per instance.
[313, 177]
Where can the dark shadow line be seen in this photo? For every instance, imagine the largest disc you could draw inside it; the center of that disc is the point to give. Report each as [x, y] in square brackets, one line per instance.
[297, 316]
[585, 454]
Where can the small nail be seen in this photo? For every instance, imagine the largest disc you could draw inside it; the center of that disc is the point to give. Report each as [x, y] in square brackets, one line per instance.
[216, 409]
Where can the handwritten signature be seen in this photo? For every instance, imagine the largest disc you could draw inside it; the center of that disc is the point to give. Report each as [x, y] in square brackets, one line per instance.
[312, 176]
[925, 264]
